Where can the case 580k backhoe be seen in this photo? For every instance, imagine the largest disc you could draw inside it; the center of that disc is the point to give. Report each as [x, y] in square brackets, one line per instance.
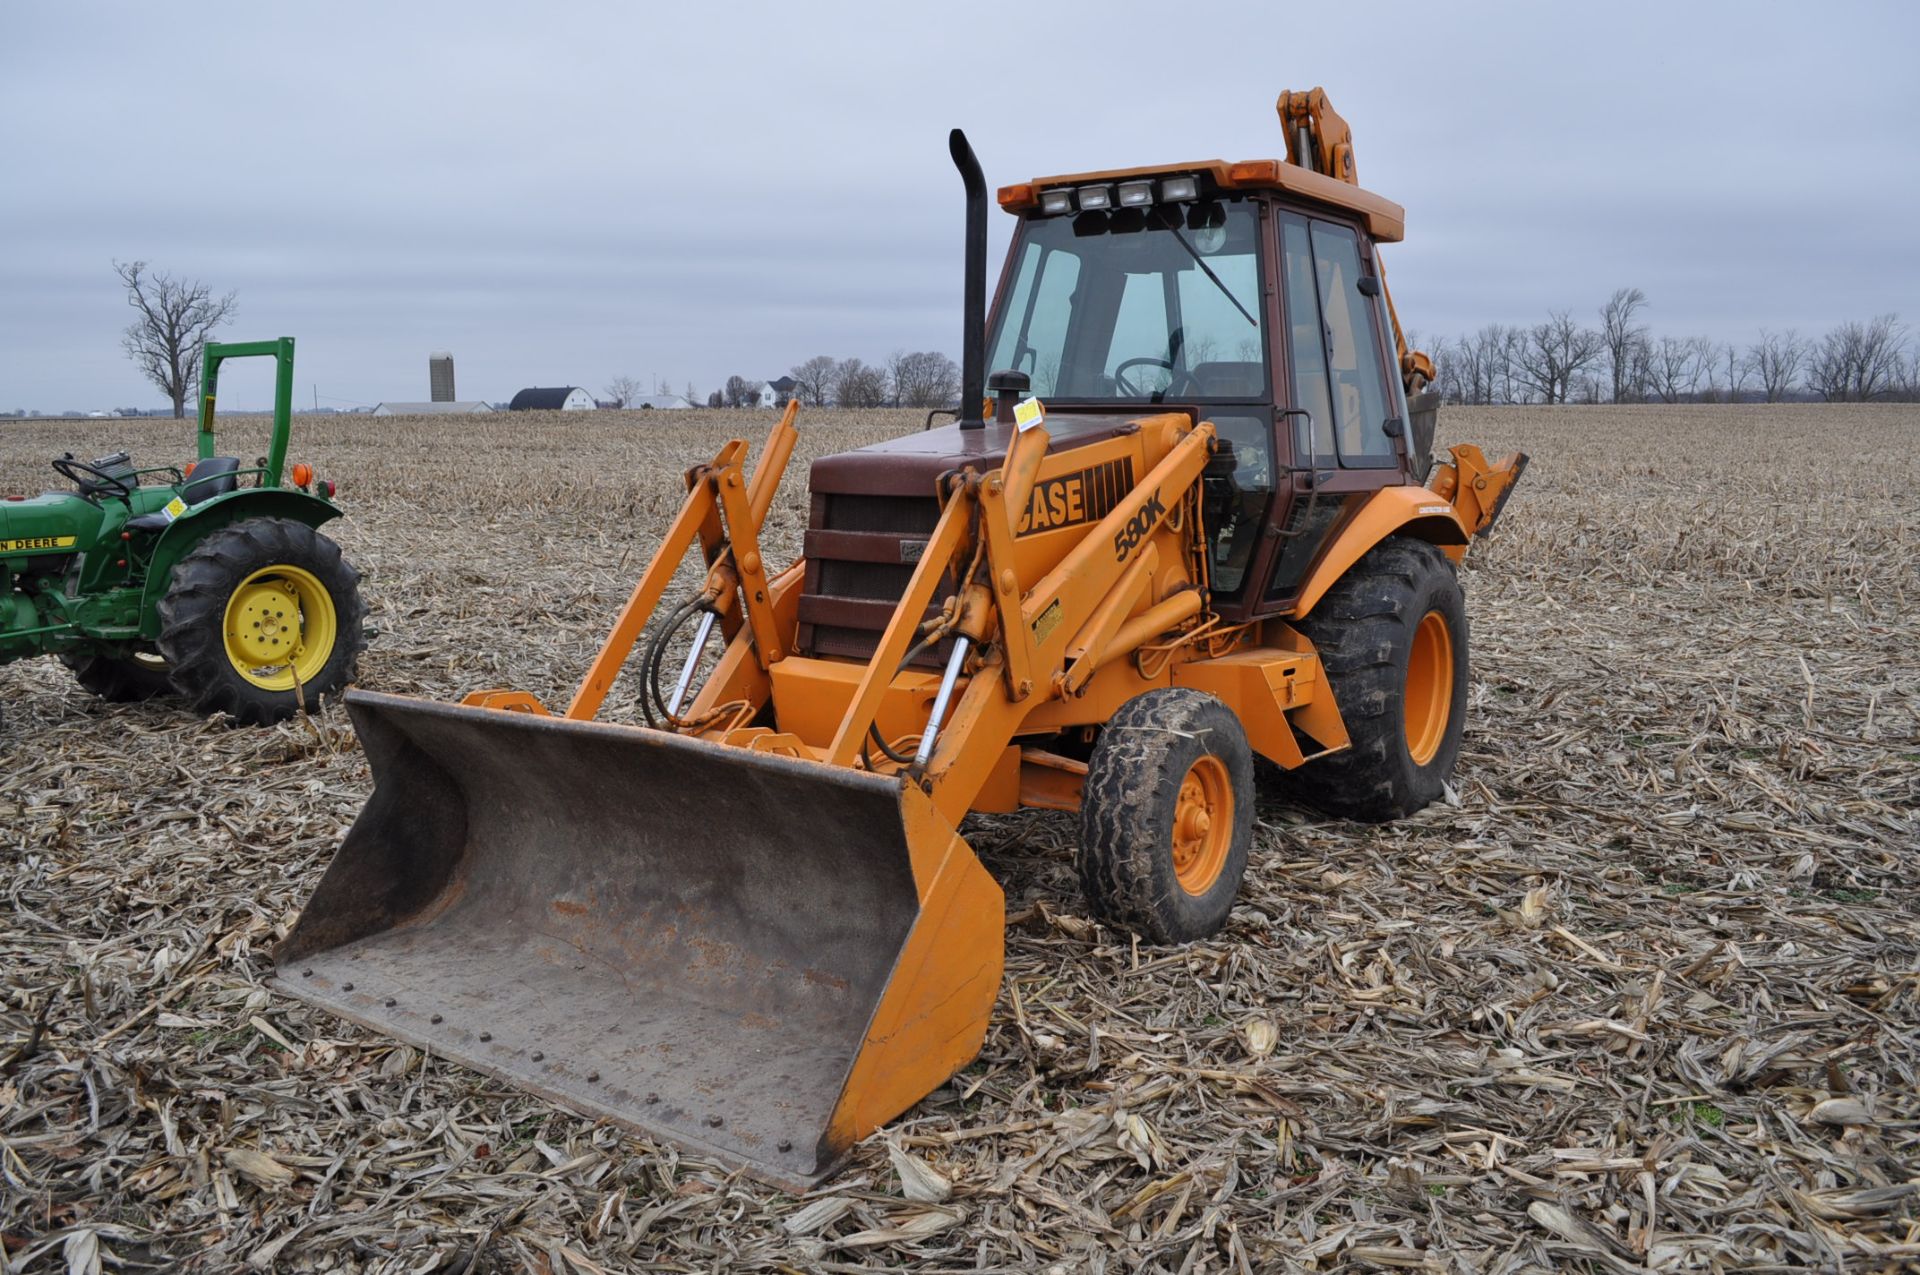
[1202, 525]
[208, 580]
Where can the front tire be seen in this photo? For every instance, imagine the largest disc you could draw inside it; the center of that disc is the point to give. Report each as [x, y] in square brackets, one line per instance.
[1392, 637]
[1166, 816]
[127, 680]
[260, 616]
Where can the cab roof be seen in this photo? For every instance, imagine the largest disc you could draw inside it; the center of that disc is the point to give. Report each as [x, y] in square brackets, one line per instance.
[1385, 220]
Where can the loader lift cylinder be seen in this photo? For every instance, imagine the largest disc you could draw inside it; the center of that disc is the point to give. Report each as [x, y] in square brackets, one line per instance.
[693, 662]
[955, 663]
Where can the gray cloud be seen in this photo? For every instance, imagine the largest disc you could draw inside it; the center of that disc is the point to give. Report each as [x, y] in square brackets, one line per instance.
[572, 192]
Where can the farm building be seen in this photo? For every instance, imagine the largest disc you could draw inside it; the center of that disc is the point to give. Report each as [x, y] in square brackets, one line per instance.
[560, 398]
[430, 409]
[660, 402]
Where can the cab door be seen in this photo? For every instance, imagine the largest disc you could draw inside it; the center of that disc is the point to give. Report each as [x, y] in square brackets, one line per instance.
[1342, 431]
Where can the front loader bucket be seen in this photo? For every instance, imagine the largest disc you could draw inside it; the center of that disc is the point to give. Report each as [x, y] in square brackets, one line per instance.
[756, 957]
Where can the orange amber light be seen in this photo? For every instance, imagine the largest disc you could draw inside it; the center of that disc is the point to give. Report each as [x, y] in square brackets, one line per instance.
[302, 474]
[1254, 172]
[188, 471]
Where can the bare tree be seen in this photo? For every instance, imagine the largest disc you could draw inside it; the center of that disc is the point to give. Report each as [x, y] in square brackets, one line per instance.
[741, 392]
[813, 380]
[1736, 372]
[1857, 361]
[621, 391]
[925, 378]
[1675, 366]
[1623, 341]
[1775, 361]
[1486, 365]
[1908, 389]
[176, 317]
[716, 399]
[1554, 353]
[856, 384]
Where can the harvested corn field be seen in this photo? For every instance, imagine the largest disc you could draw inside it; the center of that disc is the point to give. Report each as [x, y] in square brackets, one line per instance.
[1642, 995]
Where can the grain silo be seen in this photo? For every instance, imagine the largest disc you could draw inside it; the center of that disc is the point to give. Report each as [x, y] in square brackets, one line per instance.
[440, 376]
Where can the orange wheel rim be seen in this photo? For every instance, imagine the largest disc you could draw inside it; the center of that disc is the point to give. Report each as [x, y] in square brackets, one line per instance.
[1429, 697]
[1202, 825]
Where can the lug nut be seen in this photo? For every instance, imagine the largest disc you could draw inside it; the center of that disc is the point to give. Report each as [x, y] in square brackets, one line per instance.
[346, 987]
[306, 973]
[713, 1122]
[486, 1035]
[652, 1098]
[390, 1002]
[436, 1018]
[786, 1144]
[538, 1056]
[592, 1076]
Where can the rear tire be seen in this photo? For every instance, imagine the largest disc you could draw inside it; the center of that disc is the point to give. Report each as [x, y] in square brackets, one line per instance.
[1392, 636]
[1166, 816]
[255, 609]
[126, 680]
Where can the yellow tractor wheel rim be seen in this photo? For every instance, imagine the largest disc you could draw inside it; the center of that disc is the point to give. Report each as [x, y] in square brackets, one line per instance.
[1202, 825]
[1429, 697]
[280, 626]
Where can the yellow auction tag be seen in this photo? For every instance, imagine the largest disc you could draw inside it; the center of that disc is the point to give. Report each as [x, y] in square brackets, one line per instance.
[1028, 413]
[174, 508]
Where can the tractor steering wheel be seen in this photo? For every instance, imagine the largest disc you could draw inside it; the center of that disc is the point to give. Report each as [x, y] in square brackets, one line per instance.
[1130, 390]
[72, 470]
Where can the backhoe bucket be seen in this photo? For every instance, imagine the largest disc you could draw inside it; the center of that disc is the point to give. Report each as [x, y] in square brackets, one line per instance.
[757, 957]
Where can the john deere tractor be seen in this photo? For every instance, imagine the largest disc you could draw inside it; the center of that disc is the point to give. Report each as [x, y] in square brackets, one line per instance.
[207, 580]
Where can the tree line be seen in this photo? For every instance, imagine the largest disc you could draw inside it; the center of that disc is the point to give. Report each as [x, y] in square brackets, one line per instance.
[916, 378]
[919, 378]
[1621, 360]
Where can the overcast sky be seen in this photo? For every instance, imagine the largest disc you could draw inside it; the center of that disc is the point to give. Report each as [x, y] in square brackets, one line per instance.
[564, 192]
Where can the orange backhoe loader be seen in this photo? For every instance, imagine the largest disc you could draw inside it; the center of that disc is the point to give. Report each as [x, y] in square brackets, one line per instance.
[1194, 530]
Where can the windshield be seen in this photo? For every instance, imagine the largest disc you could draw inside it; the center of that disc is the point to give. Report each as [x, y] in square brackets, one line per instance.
[1154, 304]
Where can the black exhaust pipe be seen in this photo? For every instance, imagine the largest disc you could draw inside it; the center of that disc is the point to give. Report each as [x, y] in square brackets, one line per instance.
[973, 355]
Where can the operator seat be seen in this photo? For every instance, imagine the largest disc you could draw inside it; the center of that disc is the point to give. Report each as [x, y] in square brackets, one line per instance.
[214, 476]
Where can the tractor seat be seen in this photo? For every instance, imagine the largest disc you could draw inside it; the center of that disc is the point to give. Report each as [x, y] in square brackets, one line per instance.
[214, 476]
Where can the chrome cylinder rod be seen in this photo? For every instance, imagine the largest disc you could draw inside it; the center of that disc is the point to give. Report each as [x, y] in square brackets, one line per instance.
[940, 701]
[693, 662]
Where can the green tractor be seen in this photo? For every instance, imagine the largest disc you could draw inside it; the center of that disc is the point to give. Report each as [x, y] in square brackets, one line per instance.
[209, 581]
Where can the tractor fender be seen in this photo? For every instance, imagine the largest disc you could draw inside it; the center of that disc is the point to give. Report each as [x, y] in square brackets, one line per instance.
[1416, 512]
[191, 527]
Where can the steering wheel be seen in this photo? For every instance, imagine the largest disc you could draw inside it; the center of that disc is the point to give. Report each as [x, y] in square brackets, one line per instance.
[72, 470]
[1178, 375]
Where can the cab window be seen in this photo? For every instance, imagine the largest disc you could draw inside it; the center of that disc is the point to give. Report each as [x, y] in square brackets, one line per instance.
[1339, 376]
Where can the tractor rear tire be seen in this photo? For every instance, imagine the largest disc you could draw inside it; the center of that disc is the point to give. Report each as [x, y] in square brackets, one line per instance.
[259, 617]
[120, 680]
[1392, 637]
[1166, 816]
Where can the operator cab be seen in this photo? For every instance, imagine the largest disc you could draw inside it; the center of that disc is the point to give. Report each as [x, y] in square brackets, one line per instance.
[1258, 309]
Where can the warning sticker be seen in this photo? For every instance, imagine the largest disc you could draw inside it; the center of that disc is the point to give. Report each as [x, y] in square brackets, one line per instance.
[1028, 413]
[1047, 621]
[174, 508]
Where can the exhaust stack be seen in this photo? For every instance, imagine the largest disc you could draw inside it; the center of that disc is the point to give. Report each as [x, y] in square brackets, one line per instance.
[973, 355]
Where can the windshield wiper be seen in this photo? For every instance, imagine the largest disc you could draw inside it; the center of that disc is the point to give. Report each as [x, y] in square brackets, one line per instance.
[1224, 291]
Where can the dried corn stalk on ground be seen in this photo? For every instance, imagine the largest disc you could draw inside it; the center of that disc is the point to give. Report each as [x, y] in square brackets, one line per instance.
[1644, 998]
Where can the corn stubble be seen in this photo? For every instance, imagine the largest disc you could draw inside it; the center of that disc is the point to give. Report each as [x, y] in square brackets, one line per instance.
[1642, 994]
